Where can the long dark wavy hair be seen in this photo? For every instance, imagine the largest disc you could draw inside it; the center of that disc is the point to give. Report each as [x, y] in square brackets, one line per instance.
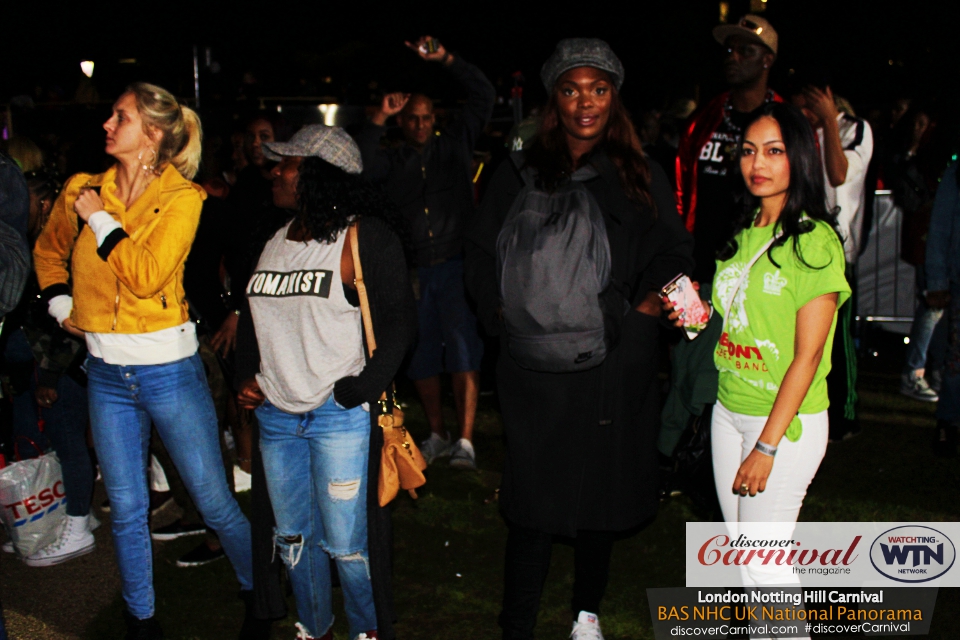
[806, 196]
[329, 199]
[549, 155]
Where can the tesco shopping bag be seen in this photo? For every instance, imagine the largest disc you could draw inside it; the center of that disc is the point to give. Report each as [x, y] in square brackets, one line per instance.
[32, 502]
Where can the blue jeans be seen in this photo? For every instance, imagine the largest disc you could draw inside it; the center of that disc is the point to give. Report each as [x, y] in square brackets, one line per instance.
[927, 335]
[65, 429]
[447, 335]
[325, 517]
[949, 406]
[175, 397]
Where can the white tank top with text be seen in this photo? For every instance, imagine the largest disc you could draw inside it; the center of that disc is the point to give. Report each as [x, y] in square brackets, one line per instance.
[309, 334]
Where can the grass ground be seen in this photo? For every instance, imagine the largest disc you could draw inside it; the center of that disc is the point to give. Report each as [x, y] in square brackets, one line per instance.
[449, 544]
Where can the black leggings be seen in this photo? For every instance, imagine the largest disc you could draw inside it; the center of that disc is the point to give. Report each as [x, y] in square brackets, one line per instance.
[526, 567]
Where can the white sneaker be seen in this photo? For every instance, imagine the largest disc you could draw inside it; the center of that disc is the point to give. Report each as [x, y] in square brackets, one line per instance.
[462, 455]
[74, 540]
[435, 447]
[242, 481]
[7, 546]
[587, 627]
[914, 386]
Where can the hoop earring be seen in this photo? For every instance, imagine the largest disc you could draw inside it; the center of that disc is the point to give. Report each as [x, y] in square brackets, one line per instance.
[148, 168]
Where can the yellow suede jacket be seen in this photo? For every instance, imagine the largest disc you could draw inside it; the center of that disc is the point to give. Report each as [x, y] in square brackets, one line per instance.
[132, 283]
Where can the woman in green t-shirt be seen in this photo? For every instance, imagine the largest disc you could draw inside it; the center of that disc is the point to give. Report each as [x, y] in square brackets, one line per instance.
[779, 282]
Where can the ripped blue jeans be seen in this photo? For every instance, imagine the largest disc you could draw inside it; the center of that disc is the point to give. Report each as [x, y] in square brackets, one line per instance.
[316, 469]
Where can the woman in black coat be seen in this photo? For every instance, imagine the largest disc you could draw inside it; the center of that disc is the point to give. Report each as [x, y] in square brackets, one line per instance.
[580, 447]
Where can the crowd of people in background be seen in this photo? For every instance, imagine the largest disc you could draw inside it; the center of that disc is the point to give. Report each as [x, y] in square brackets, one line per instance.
[169, 313]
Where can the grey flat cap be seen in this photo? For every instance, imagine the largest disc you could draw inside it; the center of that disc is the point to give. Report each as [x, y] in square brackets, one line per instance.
[332, 144]
[581, 52]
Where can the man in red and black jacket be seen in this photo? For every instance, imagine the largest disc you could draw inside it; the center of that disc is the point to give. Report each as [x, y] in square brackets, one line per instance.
[708, 184]
[709, 192]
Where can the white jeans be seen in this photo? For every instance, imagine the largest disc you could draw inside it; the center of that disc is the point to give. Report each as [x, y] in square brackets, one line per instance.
[732, 438]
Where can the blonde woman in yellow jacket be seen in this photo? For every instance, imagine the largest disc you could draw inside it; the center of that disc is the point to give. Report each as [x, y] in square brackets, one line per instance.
[110, 261]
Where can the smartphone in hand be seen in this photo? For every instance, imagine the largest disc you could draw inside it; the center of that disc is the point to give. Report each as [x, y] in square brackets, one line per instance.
[694, 312]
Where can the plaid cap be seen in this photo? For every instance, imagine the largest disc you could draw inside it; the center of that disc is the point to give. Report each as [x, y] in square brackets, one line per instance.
[581, 52]
[332, 144]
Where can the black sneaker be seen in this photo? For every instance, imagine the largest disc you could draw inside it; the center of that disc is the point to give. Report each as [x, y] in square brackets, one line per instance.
[159, 500]
[147, 629]
[253, 627]
[200, 556]
[177, 530]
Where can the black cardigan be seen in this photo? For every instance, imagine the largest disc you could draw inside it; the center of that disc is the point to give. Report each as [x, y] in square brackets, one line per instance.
[394, 314]
[581, 447]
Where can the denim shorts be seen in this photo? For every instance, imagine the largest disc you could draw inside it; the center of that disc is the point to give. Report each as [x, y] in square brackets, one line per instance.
[448, 338]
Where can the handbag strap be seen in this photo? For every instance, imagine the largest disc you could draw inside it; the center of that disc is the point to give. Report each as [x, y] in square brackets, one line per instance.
[365, 314]
[743, 275]
[16, 447]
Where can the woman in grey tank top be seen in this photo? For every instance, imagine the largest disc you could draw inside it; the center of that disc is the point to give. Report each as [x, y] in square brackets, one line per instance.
[305, 372]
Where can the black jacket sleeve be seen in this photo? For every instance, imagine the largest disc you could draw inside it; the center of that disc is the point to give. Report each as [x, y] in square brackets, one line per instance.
[14, 249]
[481, 97]
[670, 244]
[393, 309]
[376, 162]
[247, 354]
[480, 246]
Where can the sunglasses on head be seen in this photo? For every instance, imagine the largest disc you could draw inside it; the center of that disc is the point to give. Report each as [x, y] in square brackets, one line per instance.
[750, 24]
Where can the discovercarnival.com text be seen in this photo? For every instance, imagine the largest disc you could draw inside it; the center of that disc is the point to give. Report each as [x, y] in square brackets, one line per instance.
[788, 630]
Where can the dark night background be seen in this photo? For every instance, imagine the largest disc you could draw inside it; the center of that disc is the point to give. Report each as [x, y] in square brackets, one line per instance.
[351, 52]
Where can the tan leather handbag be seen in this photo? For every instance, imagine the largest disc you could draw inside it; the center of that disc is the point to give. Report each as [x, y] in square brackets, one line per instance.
[401, 463]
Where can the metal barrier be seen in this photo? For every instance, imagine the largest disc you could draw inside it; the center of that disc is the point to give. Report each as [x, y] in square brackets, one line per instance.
[885, 283]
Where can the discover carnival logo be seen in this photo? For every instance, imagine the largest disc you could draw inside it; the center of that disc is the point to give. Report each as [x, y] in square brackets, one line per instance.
[912, 553]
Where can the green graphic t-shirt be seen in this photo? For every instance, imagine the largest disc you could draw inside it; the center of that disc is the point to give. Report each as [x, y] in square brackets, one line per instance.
[756, 346]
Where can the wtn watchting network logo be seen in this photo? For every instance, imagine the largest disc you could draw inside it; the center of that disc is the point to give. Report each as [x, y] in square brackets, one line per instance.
[912, 554]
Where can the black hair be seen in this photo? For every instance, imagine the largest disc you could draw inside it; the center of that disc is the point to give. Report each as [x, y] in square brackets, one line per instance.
[43, 183]
[329, 199]
[809, 77]
[806, 195]
[281, 127]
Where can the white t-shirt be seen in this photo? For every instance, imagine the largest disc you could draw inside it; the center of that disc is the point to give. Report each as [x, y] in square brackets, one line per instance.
[856, 138]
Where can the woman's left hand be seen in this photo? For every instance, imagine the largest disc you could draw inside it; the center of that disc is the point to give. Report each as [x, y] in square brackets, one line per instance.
[753, 473]
[87, 204]
[226, 335]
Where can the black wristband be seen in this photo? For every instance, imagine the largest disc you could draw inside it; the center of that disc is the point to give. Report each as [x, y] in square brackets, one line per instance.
[112, 240]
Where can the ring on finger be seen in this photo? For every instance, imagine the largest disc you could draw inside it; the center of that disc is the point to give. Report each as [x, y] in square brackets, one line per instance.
[744, 488]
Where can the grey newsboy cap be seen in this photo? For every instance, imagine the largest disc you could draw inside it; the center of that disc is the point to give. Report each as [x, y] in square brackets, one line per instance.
[581, 52]
[332, 144]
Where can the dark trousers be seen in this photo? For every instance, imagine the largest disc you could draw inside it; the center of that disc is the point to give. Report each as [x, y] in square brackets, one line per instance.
[842, 379]
[527, 563]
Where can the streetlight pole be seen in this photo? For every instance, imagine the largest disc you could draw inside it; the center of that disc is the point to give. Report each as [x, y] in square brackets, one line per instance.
[196, 79]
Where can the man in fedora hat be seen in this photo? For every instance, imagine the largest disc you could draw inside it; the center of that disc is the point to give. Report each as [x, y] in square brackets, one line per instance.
[708, 192]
